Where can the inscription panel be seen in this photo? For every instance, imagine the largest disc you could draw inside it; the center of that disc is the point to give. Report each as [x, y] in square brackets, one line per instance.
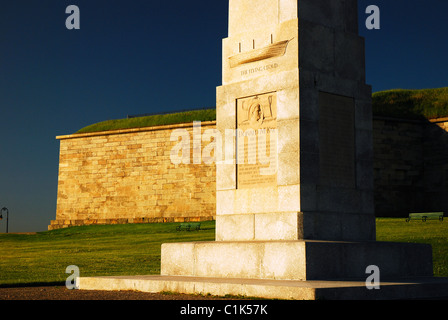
[257, 141]
[336, 140]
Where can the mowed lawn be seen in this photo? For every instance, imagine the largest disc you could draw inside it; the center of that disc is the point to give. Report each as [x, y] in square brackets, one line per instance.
[128, 249]
[432, 232]
[134, 249]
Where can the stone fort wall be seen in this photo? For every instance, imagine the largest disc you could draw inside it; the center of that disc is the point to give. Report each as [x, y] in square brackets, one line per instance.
[127, 176]
[410, 166]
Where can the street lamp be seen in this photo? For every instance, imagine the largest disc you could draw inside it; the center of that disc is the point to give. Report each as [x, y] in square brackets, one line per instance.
[7, 217]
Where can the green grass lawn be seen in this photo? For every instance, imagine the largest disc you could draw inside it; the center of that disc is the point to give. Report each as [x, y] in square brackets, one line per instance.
[128, 249]
[432, 232]
[133, 249]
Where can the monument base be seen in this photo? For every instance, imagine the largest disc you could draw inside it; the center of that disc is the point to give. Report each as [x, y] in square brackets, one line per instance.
[419, 288]
[298, 270]
[296, 260]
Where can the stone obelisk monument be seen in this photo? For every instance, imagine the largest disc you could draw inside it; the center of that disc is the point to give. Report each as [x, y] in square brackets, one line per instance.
[303, 63]
[294, 185]
[302, 208]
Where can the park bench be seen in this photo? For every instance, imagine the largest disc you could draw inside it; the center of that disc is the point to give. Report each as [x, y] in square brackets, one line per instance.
[188, 226]
[424, 216]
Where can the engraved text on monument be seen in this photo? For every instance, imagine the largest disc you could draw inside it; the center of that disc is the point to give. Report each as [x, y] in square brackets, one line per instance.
[257, 141]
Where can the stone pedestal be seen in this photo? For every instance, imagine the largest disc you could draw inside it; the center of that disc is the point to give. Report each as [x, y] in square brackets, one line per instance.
[295, 260]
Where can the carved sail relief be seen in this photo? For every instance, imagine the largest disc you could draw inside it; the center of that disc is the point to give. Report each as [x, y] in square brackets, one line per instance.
[273, 50]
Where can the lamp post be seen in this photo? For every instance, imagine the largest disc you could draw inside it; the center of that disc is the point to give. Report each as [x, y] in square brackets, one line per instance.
[7, 216]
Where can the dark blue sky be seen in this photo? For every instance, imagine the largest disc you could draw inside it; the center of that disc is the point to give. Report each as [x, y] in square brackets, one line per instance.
[144, 56]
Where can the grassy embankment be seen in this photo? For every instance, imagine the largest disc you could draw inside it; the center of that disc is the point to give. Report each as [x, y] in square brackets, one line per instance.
[134, 249]
[150, 121]
[414, 104]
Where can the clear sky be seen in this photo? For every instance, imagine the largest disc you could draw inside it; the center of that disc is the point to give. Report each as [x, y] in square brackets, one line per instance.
[144, 56]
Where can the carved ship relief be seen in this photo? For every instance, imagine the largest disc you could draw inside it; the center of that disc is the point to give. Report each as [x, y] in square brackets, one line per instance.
[273, 50]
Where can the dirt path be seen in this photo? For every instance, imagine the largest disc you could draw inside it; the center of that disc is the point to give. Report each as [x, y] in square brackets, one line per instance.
[62, 293]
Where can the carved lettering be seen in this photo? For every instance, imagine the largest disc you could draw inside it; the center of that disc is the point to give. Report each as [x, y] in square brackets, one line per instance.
[257, 141]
